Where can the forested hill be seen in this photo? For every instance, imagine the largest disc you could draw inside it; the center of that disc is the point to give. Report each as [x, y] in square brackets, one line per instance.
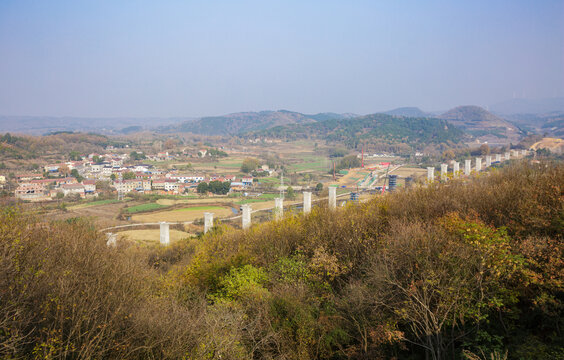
[243, 122]
[371, 128]
[482, 124]
[31, 147]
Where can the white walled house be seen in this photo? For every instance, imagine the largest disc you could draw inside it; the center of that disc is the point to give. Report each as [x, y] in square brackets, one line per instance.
[71, 189]
[89, 186]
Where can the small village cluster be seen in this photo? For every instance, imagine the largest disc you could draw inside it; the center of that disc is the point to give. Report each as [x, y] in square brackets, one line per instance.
[79, 178]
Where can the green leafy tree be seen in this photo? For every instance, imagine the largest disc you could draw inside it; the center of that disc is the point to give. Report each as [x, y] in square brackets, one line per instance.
[74, 173]
[348, 162]
[134, 155]
[217, 153]
[128, 175]
[290, 193]
[219, 187]
[319, 187]
[74, 156]
[202, 187]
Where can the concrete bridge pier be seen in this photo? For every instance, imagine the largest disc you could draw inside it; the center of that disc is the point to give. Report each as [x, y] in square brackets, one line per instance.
[332, 197]
[507, 155]
[246, 218]
[467, 167]
[488, 161]
[165, 233]
[455, 169]
[478, 164]
[111, 239]
[208, 221]
[278, 208]
[430, 174]
[498, 157]
[444, 170]
[307, 202]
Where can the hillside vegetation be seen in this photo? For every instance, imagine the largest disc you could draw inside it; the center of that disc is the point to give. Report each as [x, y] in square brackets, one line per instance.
[481, 123]
[30, 147]
[240, 123]
[430, 273]
[373, 129]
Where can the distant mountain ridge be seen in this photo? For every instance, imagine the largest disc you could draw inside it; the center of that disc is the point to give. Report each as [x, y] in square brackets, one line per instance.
[408, 111]
[39, 125]
[481, 123]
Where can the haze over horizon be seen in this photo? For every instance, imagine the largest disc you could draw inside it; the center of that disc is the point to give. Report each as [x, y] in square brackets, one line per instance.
[191, 59]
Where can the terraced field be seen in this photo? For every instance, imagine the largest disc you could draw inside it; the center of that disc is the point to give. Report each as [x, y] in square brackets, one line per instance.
[148, 236]
[183, 214]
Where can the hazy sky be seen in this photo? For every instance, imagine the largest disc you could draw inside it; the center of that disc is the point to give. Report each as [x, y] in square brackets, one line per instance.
[210, 57]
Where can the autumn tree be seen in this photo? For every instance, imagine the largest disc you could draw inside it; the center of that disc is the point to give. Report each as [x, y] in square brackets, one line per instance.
[249, 164]
[484, 149]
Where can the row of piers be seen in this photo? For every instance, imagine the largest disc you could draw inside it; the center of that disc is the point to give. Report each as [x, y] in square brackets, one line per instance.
[278, 210]
[468, 165]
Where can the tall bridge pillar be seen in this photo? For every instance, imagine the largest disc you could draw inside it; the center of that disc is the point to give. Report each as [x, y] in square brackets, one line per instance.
[332, 197]
[246, 218]
[165, 233]
[430, 174]
[444, 170]
[278, 208]
[208, 221]
[307, 202]
[467, 167]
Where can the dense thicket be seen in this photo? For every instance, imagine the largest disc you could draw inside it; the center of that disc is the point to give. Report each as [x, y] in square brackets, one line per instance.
[438, 272]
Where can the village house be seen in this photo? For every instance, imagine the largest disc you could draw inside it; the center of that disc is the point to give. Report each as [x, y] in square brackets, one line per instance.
[237, 186]
[72, 189]
[116, 162]
[247, 181]
[185, 178]
[32, 192]
[141, 168]
[129, 185]
[29, 176]
[52, 168]
[96, 168]
[171, 186]
[158, 184]
[89, 186]
[107, 171]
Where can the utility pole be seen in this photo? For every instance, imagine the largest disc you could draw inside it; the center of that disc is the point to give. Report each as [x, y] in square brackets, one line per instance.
[120, 187]
[282, 185]
[386, 179]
